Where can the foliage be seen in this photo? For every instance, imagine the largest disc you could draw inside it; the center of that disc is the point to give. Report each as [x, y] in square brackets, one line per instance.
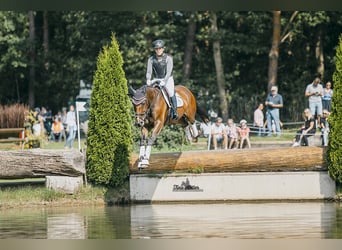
[75, 37]
[335, 120]
[109, 134]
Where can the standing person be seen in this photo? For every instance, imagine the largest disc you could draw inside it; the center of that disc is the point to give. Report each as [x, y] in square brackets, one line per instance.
[259, 119]
[64, 121]
[274, 102]
[314, 92]
[327, 95]
[161, 65]
[71, 127]
[308, 129]
[325, 127]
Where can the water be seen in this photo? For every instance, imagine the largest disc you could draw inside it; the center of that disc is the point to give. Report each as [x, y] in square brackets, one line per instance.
[312, 220]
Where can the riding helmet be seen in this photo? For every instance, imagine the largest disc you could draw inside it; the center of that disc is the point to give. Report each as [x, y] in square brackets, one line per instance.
[158, 44]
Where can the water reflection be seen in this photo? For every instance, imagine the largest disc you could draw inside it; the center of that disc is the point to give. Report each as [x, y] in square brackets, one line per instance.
[229, 220]
[267, 220]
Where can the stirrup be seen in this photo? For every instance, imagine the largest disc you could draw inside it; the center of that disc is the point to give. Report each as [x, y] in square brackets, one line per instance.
[174, 115]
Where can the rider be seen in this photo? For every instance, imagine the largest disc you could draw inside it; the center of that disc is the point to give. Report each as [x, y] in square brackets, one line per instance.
[161, 64]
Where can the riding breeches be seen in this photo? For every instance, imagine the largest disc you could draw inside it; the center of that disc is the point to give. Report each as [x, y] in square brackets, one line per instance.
[170, 86]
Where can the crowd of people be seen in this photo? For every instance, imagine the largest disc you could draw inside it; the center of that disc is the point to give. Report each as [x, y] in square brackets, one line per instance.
[56, 128]
[316, 116]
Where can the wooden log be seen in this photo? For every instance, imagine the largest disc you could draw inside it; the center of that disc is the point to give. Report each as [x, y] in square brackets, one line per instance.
[40, 163]
[252, 160]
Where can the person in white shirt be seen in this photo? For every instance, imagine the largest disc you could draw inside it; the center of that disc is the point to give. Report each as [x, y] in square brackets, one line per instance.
[218, 133]
[71, 127]
[259, 119]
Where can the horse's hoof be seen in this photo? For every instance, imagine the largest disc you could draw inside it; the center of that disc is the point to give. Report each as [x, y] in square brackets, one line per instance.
[143, 164]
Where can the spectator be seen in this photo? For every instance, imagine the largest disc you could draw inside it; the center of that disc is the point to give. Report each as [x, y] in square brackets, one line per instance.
[57, 128]
[325, 127]
[232, 133]
[258, 121]
[38, 126]
[71, 127]
[326, 98]
[314, 92]
[218, 133]
[274, 102]
[47, 120]
[63, 117]
[243, 131]
[205, 129]
[308, 129]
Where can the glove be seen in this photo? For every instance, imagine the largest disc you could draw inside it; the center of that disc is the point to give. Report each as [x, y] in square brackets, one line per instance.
[162, 83]
[148, 82]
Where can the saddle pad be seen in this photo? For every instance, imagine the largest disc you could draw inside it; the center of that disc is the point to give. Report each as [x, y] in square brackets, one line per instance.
[179, 100]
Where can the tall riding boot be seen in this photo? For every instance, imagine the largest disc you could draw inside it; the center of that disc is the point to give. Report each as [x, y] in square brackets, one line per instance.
[173, 102]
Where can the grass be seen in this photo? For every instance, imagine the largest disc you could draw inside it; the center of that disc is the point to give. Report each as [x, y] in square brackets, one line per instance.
[31, 196]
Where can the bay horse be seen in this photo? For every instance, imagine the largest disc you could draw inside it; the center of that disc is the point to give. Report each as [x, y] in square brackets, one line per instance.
[152, 113]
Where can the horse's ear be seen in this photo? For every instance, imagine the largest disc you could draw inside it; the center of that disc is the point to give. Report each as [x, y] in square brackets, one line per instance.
[131, 90]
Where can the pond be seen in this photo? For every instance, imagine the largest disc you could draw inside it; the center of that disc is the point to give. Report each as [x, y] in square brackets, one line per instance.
[294, 220]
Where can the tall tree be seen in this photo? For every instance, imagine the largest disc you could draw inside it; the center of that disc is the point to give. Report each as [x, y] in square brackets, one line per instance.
[109, 135]
[189, 45]
[274, 52]
[219, 67]
[32, 55]
[46, 38]
[334, 155]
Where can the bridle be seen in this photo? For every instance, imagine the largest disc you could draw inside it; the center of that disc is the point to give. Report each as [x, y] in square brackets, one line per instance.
[141, 100]
[142, 116]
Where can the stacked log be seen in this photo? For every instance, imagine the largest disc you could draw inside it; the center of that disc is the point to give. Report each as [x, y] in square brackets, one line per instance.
[41, 163]
[245, 160]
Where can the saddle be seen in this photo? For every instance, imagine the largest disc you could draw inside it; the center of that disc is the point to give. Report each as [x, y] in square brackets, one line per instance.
[167, 98]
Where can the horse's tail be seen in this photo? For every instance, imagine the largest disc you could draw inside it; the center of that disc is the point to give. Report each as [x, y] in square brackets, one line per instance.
[202, 113]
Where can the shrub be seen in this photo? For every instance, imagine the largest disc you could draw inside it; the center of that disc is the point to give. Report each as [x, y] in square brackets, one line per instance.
[334, 154]
[109, 138]
[13, 116]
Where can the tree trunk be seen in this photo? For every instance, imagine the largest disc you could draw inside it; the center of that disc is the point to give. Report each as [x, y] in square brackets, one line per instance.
[189, 43]
[274, 52]
[219, 68]
[246, 160]
[32, 55]
[319, 53]
[39, 163]
[46, 39]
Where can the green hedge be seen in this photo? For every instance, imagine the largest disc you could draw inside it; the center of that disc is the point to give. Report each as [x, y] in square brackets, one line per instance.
[334, 156]
[109, 134]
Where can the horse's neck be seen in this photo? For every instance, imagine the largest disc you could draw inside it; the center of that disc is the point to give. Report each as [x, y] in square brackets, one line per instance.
[152, 95]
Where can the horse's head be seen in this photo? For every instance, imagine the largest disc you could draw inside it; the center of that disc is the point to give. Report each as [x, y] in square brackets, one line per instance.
[140, 104]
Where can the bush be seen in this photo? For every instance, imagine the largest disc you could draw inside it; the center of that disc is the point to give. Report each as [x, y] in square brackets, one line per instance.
[109, 138]
[334, 156]
[13, 116]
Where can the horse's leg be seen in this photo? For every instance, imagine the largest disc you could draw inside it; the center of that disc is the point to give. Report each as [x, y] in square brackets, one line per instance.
[194, 130]
[144, 133]
[143, 162]
[155, 132]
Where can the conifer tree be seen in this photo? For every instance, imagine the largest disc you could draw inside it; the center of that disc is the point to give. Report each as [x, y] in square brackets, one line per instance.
[334, 155]
[109, 134]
